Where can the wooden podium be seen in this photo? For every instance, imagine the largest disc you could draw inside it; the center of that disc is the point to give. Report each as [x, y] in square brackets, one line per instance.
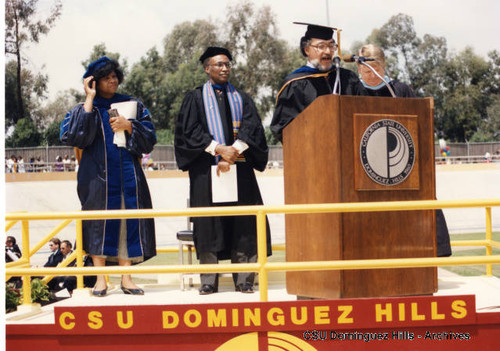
[360, 149]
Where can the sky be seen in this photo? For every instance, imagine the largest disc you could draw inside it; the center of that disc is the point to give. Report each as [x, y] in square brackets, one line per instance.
[132, 27]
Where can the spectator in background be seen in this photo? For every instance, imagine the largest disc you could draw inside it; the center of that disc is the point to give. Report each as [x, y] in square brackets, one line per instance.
[487, 157]
[12, 251]
[11, 164]
[57, 255]
[64, 282]
[58, 165]
[39, 164]
[66, 162]
[497, 156]
[20, 165]
[31, 167]
[73, 164]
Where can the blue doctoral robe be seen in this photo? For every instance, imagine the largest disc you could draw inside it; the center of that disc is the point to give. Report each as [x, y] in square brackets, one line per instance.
[107, 172]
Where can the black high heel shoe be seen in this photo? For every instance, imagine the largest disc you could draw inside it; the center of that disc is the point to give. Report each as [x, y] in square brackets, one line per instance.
[128, 291]
[100, 293]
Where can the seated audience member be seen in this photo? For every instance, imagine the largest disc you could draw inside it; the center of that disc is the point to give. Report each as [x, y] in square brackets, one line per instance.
[56, 256]
[64, 282]
[12, 251]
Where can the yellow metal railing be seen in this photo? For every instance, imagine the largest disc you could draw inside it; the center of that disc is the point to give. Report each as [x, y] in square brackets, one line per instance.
[262, 266]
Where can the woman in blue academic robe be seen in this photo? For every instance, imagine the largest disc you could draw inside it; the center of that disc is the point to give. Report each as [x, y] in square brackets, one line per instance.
[110, 177]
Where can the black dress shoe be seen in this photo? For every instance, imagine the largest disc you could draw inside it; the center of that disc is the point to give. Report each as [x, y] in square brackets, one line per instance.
[100, 293]
[128, 291]
[207, 289]
[246, 288]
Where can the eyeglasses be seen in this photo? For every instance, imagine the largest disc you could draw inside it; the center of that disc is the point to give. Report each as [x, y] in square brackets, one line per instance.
[324, 47]
[219, 65]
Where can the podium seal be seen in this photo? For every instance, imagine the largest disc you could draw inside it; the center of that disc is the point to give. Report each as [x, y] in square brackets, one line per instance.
[387, 152]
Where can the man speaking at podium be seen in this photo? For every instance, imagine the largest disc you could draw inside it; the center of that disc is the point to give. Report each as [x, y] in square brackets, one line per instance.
[316, 78]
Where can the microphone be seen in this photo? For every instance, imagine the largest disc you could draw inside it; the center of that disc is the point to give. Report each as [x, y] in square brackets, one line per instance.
[355, 58]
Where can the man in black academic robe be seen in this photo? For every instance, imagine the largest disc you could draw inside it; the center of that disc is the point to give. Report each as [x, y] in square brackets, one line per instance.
[316, 78]
[197, 150]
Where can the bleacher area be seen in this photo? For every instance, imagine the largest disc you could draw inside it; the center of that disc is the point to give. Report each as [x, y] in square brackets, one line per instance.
[163, 155]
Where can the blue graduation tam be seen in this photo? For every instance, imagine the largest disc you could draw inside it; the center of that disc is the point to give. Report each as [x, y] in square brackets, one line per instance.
[96, 65]
[212, 51]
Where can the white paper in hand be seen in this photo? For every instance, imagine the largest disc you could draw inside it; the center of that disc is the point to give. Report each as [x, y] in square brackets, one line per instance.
[224, 186]
[127, 109]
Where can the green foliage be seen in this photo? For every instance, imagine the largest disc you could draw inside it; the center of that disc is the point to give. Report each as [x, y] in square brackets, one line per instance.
[51, 134]
[25, 134]
[13, 296]
[98, 51]
[33, 89]
[464, 86]
[39, 291]
[461, 84]
[270, 138]
[164, 137]
[187, 41]
[23, 25]
[261, 62]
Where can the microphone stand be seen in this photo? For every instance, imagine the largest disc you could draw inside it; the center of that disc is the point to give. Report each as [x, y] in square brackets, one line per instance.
[378, 75]
[336, 86]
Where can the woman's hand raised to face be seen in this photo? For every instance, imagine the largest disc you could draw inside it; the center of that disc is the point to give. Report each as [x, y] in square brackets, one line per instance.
[89, 84]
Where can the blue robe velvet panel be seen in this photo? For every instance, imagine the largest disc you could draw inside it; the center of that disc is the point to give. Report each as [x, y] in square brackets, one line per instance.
[107, 172]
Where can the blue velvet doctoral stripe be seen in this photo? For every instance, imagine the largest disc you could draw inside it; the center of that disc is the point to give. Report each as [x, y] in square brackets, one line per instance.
[306, 69]
[120, 179]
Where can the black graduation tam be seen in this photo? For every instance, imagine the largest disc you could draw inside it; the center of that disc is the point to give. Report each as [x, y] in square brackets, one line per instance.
[317, 31]
[212, 51]
[95, 65]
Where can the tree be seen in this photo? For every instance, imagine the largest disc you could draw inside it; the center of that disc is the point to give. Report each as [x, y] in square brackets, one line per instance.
[25, 134]
[261, 62]
[98, 51]
[399, 40]
[51, 116]
[466, 98]
[32, 92]
[22, 26]
[187, 41]
[146, 81]
[262, 59]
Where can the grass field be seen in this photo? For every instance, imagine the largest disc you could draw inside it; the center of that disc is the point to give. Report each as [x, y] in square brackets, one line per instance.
[279, 256]
[475, 251]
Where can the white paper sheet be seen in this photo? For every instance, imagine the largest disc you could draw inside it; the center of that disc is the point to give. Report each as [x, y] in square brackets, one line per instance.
[127, 109]
[224, 186]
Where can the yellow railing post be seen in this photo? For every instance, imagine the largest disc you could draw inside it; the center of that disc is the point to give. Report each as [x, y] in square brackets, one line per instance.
[25, 230]
[79, 252]
[262, 254]
[49, 236]
[489, 238]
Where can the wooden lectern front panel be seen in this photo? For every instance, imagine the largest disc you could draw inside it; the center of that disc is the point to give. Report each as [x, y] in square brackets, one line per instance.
[378, 235]
[312, 175]
[325, 162]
